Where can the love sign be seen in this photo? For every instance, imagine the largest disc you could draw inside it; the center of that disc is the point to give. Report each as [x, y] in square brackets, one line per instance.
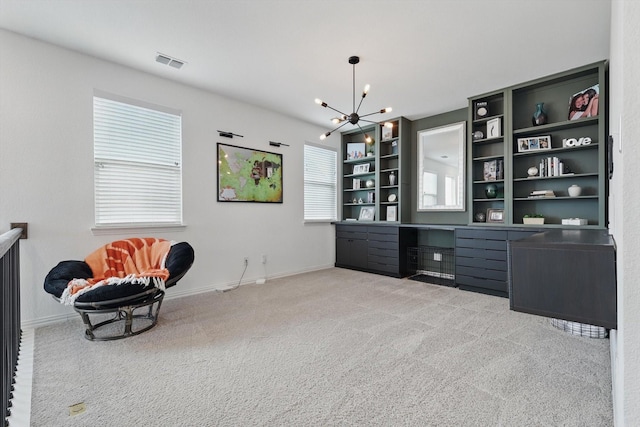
[574, 142]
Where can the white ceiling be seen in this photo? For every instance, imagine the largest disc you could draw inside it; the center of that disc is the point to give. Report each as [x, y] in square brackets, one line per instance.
[422, 57]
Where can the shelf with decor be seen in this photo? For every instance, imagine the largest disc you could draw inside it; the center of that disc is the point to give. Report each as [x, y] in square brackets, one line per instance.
[486, 166]
[385, 185]
[558, 162]
[358, 169]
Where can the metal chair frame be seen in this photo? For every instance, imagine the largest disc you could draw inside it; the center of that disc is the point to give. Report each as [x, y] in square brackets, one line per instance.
[123, 310]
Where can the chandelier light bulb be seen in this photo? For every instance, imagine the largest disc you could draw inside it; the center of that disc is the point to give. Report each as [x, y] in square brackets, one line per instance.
[355, 117]
[388, 125]
[367, 138]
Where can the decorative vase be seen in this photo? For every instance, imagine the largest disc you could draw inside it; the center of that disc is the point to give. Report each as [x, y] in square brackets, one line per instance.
[392, 179]
[539, 117]
[575, 190]
[491, 191]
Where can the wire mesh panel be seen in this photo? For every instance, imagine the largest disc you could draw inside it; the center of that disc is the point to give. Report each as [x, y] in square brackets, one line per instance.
[432, 264]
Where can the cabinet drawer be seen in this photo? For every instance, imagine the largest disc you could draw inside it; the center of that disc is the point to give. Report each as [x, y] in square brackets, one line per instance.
[384, 268]
[481, 234]
[353, 235]
[383, 252]
[383, 244]
[482, 254]
[377, 237]
[351, 228]
[380, 259]
[383, 230]
[495, 285]
[500, 245]
[482, 273]
[481, 263]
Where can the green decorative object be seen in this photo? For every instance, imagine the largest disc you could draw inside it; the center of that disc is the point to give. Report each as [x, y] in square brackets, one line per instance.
[540, 116]
[491, 191]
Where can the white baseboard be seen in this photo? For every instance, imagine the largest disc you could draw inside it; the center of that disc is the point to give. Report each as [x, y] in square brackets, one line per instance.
[176, 292]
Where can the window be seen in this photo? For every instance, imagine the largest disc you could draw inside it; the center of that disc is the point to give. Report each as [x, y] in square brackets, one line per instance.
[138, 163]
[429, 188]
[320, 187]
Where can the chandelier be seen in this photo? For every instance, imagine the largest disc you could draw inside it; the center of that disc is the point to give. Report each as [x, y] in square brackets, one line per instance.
[353, 118]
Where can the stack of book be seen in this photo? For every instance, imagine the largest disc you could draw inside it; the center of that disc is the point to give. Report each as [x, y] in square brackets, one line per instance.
[538, 194]
[552, 166]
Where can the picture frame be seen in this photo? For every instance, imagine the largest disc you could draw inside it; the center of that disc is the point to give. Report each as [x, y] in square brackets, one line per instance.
[367, 213]
[495, 215]
[494, 128]
[387, 133]
[490, 171]
[392, 213]
[481, 110]
[361, 168]
[534, 143]
[249, 175]
[584, 103]
[356, 150]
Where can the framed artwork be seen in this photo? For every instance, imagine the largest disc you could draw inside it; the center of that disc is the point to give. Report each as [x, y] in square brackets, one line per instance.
[494, 128]
[490, 170]
[249, 175]
[534, 143]
[481, 110]
[367, 213]
[495, 215]
[355, 150]
[584, 103]
[387, 133]
[363, 168]
[392, 213]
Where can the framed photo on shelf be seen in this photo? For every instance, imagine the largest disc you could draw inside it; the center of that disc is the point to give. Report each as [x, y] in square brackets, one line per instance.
[367, 213]
[392, 213]
[494, 128]
[358, 169]
[355, 150]
[495, 215]
[491, 170]
[482, 110]
[584, 103]
[534, 143]
[387, 133]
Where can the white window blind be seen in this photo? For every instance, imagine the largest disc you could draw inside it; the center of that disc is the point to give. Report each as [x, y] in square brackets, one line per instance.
[320, 187]
[138, 164]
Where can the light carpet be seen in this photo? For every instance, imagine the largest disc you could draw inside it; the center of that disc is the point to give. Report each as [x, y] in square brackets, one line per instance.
[327, 348]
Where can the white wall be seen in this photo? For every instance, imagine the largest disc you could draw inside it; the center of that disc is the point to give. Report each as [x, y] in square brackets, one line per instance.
[624, 119]
[46, 173]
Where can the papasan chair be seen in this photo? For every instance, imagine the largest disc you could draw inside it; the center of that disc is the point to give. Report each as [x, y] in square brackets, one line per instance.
[118, 289]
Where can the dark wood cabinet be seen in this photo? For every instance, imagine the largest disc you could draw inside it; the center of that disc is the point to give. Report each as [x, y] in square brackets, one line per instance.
[351, 247]
[565, 274]
[481, 259]
[375, 248]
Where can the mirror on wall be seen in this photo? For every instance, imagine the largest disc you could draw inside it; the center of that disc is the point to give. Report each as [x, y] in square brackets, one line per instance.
[441, 160]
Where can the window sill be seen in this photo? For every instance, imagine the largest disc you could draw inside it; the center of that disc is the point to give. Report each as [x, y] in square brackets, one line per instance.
[136, 229]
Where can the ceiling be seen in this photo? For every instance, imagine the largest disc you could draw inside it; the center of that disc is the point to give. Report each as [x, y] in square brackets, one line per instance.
[421, 57]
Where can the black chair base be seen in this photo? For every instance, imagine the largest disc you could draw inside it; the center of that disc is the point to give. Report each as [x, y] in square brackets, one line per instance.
[125, 318]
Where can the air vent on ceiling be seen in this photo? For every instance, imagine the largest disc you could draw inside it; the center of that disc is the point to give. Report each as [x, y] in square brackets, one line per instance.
[168, 60]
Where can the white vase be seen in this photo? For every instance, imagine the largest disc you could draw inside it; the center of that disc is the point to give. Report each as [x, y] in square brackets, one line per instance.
[575, 190]
[392, 179]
